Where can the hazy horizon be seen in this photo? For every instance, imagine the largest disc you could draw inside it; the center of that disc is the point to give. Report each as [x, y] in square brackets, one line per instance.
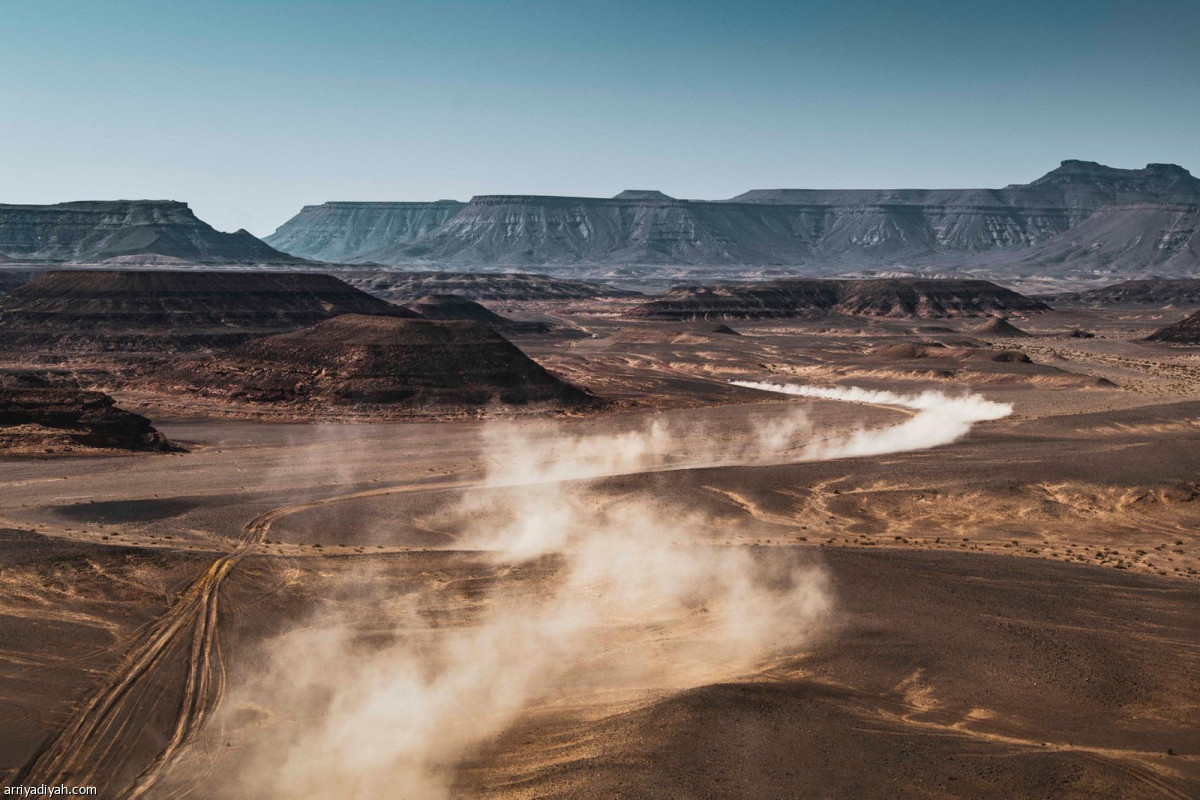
[249, 111]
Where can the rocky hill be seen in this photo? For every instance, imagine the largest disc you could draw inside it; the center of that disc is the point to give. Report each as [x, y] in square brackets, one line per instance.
[355, 359]
[779, 298]
[457, 307]
[453, 306]
[1186, 331]
[403, 286]
[62, 419]
[170, 310]
[1000, 328]
[931, 298]
[883, 297]
[157, 231]
[1155, 292]
[818, 229]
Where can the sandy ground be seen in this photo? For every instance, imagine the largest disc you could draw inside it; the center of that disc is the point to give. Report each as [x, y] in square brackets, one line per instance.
[1016, 614]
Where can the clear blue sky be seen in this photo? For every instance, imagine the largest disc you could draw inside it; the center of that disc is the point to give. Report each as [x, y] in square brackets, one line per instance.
[248, 110]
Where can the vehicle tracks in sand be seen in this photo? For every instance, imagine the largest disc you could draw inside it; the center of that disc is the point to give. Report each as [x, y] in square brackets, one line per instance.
[911, 704]
[99, 744]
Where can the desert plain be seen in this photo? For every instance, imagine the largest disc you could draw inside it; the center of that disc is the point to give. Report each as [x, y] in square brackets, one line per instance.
[969, 569]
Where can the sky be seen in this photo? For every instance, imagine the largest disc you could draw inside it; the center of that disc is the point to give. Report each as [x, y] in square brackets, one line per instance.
[249, 110]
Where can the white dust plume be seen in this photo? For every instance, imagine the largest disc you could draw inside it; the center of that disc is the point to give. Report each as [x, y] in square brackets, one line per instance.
[941, 419]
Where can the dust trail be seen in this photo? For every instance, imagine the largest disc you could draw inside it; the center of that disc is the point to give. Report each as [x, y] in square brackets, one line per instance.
[658, 445]
[567, 599]
[940, 419]
[570, 599]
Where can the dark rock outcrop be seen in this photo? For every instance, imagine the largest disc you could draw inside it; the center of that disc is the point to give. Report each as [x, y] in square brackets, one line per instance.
[780, 298]
[24, 379]
[883, 297]
[354, 359]
[915, 351]
[907, 351]
[159, 231]
[931, 298]
[1186, 331]
[90, 419]
[171, 310]
[1155, 292]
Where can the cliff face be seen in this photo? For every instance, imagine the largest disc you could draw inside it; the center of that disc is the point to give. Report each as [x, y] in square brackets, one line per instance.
[156, 230]
[784, 227]
[1128, 239]
[343, 231]
[510, 230]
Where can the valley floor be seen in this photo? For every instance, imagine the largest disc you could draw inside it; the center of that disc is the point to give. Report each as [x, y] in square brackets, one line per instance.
[1016, 614]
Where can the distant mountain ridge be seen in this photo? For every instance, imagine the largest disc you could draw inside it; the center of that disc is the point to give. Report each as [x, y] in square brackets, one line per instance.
[1073, 184]
[95, 231]
[1150, 218]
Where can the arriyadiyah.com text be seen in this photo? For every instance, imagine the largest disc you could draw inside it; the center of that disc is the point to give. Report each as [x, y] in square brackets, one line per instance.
[44, 790]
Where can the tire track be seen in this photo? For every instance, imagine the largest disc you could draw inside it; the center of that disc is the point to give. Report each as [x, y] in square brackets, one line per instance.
[99, 742]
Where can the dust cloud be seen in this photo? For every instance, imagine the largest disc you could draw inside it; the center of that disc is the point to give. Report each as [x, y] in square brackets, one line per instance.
[941, 419]
[580, 603]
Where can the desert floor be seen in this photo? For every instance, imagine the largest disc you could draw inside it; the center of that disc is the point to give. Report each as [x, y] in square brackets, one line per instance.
[1015, 614]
